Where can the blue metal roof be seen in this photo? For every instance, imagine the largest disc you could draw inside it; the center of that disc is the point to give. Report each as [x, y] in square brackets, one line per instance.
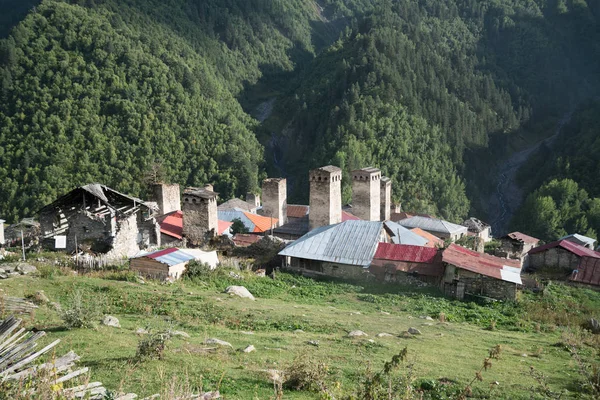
[401, 235]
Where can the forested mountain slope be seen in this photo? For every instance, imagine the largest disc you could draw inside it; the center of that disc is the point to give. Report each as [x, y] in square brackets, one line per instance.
[104, 90]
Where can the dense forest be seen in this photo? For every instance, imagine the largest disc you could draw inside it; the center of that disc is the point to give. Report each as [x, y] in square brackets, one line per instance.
[563, 180]
[107, 90]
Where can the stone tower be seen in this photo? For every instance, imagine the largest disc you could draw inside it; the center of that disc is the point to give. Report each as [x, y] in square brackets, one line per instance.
[274, 198]
[366, 190]
[386, 198]
[253, 198]
[325, 196]
[168, 197]
[200, 218]
[1, 232]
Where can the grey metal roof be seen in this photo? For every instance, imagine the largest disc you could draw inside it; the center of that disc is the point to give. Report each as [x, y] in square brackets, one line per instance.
[401, 235]
[295, 227]
[351, 242]
[432, 225]
[236, 203]
[580, 239]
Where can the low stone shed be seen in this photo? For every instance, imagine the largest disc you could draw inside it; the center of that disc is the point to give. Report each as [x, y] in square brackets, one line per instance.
[170, 263]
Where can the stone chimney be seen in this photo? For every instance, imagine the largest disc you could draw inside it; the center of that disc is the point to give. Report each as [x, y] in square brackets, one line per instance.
[366, 191]
[253, 198]
[386, 198]
[2, 232]
[168, 197]
[274, 197]
[200, 217]
[325, 196]
[209, 187]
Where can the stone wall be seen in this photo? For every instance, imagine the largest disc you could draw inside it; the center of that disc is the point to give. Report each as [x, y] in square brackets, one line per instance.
[386, 198]
[325, 196]
[476, 284]
[200, 219]
[366, 194]
[554, 260]
[91, 233]
[274, 197]
[125, 242]
[321, 268]
[168, 197]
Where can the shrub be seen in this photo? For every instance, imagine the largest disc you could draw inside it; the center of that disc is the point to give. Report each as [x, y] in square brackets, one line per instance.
[153, 346]
[83, 313]
[196, 269]
[307, 373]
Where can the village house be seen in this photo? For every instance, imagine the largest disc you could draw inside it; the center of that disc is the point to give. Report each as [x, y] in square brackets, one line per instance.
[400, 263]
[516, 245]
[581, 240]
[296, 211]
[437, 227]
[171, 229]
[342, 250]
[558, 259]
[398, 215]
[99, 219]
[254, 223]
[170, 263]
[472, 273]
[432, 240]
[479, 229]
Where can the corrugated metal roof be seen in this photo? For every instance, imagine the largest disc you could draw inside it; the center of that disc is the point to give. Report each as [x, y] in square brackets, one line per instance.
[171, 256]
[433, 241]
[402, 235]
[237, 204]
[297, 227]
[350, 242]
[172, 225]
[569, 246]
[296, 211]
[404, 215]
[580, 239]
[222, 226]
[484, 264]
[245, 239]
[402, 252]
[588, 271]
[261, 224]
[521, 237]
[432, 224]
[236, 214]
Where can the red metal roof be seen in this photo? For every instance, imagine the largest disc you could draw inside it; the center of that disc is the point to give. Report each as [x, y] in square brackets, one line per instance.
[223, 226]
[346, 216]
[296, 211]
[569, 246]
[479, 263]
[261, 223]
[523, 237]
[160, 253]
[172, 225]
[405, 252]
[245, 239]
[588, 271]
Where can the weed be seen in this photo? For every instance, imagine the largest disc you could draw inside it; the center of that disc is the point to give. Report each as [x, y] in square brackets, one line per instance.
[307, 373]
[153, 346]
[83, 313]
[494, 354]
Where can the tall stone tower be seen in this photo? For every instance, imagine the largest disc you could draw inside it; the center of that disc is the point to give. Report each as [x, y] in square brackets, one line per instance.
[168, 197]
[1, 232]
[386, 198]
[253, 198]
[366, 203]
[200, 218]
[325, 196]
[274, 199]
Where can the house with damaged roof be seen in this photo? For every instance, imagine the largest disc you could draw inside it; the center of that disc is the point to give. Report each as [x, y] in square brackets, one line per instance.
[99, 219]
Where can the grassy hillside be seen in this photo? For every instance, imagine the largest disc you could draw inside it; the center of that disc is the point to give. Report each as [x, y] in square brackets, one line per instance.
[443, 359]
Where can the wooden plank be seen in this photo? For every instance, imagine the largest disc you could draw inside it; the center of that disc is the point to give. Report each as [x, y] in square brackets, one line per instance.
[30, 358]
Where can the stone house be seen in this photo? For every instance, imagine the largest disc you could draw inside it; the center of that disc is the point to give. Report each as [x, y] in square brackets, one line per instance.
[558, 259]
[99, 220]
[516, 245]
[478, 229]
[469, 272]
[400, 263]
[343, 250]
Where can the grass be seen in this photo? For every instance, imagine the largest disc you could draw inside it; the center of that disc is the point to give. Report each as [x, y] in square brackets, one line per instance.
[326, 312]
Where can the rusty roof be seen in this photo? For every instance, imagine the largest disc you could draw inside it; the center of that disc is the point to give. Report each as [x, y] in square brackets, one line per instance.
[521, 237]
[484, 264]
[569, 246]
[296, 210]
[433, 241]
[588, 271]
[245, 239]
[405, 252]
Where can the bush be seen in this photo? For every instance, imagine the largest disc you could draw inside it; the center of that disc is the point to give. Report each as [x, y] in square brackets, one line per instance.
[83, 313]
[306, 373]
[196, 269]
[153, 346]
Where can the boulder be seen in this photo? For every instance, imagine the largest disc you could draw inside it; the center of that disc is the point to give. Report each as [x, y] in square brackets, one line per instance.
[298, 331]
[313, 343]
[141, 331]
[179, 333]
[3, 275]
[249, 349]
[40, 297]
[109, 320]
[383, 334]
[218, 342]
[427, 317]
[414, 331]
[26, 269]
[357, 333]
[239, 291]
